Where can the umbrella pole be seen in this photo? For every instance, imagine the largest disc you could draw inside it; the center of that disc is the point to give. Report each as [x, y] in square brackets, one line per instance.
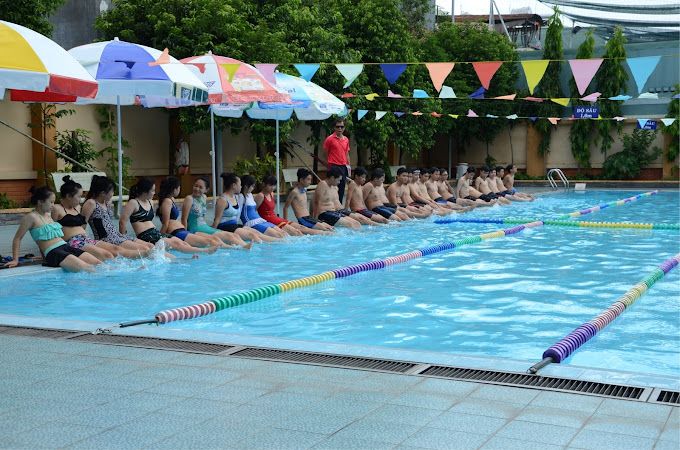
[120, 156]
[212, 155]
[278, 194]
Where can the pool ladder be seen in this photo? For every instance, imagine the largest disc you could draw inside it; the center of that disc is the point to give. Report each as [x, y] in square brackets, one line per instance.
[561, 176]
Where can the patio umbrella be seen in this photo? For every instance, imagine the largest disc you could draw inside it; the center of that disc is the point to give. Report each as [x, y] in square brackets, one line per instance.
[309, 102]
[234, 84]
[30, 61]
[131, 74]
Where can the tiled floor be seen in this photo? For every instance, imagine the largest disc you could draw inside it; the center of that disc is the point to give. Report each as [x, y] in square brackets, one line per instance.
[61, 394]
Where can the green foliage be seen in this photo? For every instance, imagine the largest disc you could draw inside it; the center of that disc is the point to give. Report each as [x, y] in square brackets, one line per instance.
[611, 80]
[6, 202]
[550, 83]
[634, 157]
[109, 134]
[33, 14]
[581, 133]
[257, 167]
[77, 145]
[674, 129]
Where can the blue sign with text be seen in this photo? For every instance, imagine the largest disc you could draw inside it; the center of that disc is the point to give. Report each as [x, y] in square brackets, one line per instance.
[586, 112]
[647, 125]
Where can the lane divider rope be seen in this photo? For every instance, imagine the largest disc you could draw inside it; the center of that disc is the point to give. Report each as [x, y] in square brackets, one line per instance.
[568, 223]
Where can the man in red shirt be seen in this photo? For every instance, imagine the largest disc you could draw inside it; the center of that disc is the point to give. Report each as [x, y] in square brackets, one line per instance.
[337, 150]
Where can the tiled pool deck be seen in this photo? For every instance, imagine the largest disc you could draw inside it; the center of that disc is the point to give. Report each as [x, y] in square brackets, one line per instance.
[65, 394]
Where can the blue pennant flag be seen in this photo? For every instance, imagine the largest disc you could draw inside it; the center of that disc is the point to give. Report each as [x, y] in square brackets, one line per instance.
[399, 114]
[361, 113]
[392, 71]
[642, 68]
[419, 93]
[307, 71]
[478, 94]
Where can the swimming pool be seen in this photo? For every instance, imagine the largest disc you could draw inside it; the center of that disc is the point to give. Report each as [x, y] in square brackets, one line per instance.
[507, 298]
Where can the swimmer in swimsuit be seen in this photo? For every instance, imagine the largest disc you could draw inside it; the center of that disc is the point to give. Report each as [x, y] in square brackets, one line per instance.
[266, 207]
[250, 218]
[482, 185]
[355, 198]
[464, 190]
[297, 201]
[496, 185]
[509, 182]
[228, 211]
[326, 203]
[48, 235]
[398, 194]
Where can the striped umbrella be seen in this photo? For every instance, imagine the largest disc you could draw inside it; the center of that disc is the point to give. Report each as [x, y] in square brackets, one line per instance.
[31, 62]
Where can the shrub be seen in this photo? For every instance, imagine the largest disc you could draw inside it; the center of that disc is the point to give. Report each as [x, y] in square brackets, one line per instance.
[635, 156]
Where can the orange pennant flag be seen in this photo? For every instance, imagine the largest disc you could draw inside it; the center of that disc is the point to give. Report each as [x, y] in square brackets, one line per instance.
[163, 59]
[553, 120]
[435, 114]
[486, 71]
[417, 113]
[438, 73]
[347, 95]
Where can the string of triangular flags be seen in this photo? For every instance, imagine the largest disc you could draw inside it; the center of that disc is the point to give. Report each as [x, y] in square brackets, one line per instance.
[583, 71]
[642, 122]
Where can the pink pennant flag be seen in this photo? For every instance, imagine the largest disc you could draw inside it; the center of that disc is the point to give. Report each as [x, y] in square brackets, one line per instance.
[584, 70]
[591, 97]
[391, 94]
[471, 113]
[416, 113]
[347, 95]
[438, 73]
[553, 120]
[267, 71]
[534, 99]
[435, 114]
[486, 70]
[506, 97]
[163, 59]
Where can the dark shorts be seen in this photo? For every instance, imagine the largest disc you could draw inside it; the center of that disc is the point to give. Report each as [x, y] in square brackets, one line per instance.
[441, 201]
[507, 193]
[345, 212]
[403, 205]
[487, 197]
[452, 200]
[152, 235]
[366, 213]
[500, 194]
[59, 254]
[391, 206]
[383, 211]
[180, 233]
[330, 217]
[229, 226]
[308, 221]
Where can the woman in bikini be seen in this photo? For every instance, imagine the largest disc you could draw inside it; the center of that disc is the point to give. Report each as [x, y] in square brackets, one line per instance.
[193, 214]
[228, 211]
[73, 223]
[99, 216]
[139, 211]
[48, 235]
[266, 208]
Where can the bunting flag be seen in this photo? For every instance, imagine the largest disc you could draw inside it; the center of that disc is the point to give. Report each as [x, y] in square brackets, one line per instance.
[591, 97]
[642, 123]
[347, 95]
[642, 68]
[267, 71]
[391, 94]
[379, 114]
[453, 116]
[583, 71]
[491, 116]
[533, 119]
[619, 118]
[506, 97]
[676, 96]
[164, 58]
[398, 113]
[392, 72]
[419, 93]
[361, 113]
[438, 73]
[307, 71]
[621, 97]
[436, 114]
[447, 92]
[533, 99]
[231, 69]
[553, 120]
[561, 101]
[668, 122]
[478, 94]
[511, 116]
[486, 70]
[371, 97]
[416, 113]
[350, 72]
[471, 113]
[533, 71]
[649, 95]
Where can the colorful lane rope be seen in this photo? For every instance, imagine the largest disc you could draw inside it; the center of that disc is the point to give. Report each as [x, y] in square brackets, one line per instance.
[562, 349]
[607, 205]
[242, 298]
[568, 223]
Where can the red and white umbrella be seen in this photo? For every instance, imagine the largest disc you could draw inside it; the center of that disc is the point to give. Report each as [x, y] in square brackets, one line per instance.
[30, 61]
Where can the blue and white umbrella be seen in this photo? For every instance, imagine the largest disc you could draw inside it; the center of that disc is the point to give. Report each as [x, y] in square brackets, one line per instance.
[309, 102]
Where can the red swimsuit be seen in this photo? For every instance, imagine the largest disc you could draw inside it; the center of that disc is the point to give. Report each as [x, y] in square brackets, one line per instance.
[266, 211]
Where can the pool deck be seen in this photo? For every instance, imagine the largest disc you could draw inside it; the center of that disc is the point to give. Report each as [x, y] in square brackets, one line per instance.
[66, 394]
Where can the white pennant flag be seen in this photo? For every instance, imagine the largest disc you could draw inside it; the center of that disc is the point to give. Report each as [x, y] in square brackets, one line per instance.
[668, 122]
[379, 114]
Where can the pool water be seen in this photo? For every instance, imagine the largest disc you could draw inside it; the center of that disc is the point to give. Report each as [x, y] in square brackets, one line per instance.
[510, 297]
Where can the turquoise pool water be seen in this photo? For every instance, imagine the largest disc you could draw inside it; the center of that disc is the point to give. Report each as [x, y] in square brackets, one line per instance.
[510, 297]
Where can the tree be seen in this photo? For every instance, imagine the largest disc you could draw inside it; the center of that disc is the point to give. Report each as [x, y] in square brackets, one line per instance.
[550, 87]
[581, 132]
[611, 81]
[674, 129]
[32, 14]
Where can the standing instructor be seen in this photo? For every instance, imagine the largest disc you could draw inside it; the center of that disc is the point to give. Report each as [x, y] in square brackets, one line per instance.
[337, 150]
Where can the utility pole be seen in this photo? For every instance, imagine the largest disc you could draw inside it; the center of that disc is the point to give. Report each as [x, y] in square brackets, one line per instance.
[491, 21]
[453, 11]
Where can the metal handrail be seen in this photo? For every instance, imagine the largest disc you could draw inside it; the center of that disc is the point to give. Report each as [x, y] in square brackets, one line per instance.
[562, 177]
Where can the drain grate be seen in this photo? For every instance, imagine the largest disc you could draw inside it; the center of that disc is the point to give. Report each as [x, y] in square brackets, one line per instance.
[525, 380]
[45, 333]
[326, 360]
[149, 342]
[671, 397]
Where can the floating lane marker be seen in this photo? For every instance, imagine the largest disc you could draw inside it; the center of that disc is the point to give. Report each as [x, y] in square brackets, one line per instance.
[607, 205]
[562, 349]
[242, 298]
[570, 223]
